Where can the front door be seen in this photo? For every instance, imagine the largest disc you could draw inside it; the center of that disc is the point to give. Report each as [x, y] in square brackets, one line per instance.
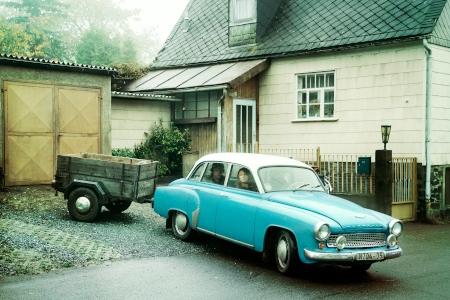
[244, 125]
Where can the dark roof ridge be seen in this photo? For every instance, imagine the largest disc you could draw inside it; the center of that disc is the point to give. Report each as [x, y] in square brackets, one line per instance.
[33, 62]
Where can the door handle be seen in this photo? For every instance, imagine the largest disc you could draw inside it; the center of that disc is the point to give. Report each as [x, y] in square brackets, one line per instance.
[223, 195]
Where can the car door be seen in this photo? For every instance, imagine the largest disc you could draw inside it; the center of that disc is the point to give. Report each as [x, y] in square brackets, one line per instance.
[236, 209]
[209, 193]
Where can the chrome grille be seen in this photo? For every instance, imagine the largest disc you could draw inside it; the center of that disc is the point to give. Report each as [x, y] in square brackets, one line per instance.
[359, 240]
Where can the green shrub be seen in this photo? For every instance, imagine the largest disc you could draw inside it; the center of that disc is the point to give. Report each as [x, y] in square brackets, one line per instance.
[165, 145]
[124, 152]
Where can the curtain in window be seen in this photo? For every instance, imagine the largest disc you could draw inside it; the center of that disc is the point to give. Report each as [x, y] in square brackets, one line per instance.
[243, 9]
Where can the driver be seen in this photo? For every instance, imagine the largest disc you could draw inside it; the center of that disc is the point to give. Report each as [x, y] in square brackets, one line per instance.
[217, 171]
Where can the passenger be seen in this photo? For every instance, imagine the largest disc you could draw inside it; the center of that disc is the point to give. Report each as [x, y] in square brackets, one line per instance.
[243, 182]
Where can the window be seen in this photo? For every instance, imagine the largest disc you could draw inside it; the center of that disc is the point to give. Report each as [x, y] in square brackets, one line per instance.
[242, 11]
[315, 95]
[197, 105]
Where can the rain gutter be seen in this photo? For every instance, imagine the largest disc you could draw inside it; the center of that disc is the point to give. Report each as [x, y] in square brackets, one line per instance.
[428, 126]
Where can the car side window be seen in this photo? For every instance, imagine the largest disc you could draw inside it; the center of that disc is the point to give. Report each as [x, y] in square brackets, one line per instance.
[241, 178]
[198, 172]
[215, 173]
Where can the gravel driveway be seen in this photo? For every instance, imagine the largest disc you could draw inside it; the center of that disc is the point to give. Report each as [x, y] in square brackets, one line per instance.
[37, 234]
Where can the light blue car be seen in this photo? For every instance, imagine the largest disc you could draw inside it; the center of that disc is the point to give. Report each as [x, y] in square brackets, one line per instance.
[277, 206]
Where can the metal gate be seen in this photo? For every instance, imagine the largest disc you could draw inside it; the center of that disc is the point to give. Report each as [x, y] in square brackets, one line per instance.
[404, 188]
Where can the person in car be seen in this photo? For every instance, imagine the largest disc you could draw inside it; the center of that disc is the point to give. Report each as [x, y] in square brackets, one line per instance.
[217, 171]
[245, 181]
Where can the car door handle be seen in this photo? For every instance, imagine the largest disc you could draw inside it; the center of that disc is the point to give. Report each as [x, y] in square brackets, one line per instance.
[223, 195]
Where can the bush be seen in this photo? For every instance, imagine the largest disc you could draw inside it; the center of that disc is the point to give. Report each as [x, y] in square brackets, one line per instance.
[165, 145]
[124, 152]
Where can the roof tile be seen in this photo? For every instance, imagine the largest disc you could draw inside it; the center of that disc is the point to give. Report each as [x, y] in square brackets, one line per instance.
[301, 25]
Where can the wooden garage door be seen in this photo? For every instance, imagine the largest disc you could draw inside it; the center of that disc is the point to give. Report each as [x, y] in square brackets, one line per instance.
[79, 125]
[42, 121]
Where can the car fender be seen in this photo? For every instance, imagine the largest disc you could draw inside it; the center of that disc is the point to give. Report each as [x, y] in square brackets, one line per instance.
[181, 199]
[299, 222]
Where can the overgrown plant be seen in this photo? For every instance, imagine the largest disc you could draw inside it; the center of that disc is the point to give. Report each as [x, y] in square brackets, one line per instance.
[165, 145]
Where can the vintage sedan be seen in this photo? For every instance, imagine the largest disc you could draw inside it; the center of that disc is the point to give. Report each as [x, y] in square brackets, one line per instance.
[278, 206]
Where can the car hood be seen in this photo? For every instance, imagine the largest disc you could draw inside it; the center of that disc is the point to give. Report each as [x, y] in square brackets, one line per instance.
[350, 216]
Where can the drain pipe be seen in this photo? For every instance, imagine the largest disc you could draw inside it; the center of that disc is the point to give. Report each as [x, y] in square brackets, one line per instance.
[427, 129]
[219, 120]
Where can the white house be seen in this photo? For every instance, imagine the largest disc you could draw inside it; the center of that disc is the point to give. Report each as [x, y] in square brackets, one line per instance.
[275, 74]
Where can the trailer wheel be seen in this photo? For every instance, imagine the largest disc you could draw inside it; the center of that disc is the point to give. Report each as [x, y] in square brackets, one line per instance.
[118, 206]
[83, 205]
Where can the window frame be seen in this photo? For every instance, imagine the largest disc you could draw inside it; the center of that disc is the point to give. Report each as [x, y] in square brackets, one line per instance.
[317, 86]
[186, 106]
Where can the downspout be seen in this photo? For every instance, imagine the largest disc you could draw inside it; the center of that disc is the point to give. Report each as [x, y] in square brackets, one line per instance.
[219, 120]
[427, 129]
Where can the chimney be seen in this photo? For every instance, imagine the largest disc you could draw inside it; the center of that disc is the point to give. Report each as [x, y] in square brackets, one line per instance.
[186, 22]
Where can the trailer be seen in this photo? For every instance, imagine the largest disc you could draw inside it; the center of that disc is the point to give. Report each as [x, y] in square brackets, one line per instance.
[90, 181]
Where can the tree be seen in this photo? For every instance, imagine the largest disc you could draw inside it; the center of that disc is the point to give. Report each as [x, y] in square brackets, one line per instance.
[36, 19]
[13, 40]
[66, 30]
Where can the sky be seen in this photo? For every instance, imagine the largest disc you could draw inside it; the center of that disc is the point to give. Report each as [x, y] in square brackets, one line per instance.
[161, 14]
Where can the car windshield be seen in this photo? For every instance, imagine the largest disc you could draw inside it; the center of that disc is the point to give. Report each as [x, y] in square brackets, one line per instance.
[289, 178]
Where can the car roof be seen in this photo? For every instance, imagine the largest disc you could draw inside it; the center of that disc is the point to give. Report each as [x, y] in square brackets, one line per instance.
[252, 160]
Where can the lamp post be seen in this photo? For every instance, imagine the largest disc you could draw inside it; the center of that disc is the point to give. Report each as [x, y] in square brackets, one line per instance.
[385, 132]
[383, 171]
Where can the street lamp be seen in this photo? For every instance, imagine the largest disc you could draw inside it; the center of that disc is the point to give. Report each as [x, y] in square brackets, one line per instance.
[385, 131]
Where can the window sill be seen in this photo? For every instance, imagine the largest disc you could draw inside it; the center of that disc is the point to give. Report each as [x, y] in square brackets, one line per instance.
[315, 120]
[195, 121]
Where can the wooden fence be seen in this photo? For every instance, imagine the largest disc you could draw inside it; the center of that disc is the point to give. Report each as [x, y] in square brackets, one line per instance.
[342, 171]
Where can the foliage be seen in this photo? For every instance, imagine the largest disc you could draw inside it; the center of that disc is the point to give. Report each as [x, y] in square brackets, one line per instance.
[13, 40]
[67, 30]
[96, 48]
[124, 152]
[165, 145]
[130, 71]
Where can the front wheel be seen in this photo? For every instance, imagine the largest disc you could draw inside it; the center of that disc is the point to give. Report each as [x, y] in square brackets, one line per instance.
[286, 256]
[361, 268]
[181, 227]
[118, 206]
[83, 205]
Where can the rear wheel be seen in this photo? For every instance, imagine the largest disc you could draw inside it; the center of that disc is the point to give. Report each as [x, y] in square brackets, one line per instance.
[286, 256]
[181, 227]
[118, 206]
[83, 205]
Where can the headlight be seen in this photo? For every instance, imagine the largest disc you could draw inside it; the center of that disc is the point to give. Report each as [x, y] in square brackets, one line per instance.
[322, 231]
[396, 227]
[391, 240]
[340, 242]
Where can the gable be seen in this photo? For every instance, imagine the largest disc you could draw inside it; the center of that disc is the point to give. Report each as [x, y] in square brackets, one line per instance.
[441, 33]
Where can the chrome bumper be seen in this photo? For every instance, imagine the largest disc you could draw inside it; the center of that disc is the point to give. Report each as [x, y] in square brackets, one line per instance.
[346, 256]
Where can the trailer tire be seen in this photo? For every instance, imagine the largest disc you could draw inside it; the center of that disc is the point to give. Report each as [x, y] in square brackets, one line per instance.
[118, 206]
[83, 204]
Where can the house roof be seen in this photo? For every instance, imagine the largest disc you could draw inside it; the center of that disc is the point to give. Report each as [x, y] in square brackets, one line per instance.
[230, 74]
[29, 62]
[298, 27]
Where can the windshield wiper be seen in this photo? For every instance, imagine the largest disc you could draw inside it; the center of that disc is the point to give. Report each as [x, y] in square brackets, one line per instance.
[315, 187]
[303, 185]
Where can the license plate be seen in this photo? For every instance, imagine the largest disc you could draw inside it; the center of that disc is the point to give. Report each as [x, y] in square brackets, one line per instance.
[370, 256]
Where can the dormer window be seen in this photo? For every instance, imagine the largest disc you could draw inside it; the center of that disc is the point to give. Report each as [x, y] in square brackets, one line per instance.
[242, 11]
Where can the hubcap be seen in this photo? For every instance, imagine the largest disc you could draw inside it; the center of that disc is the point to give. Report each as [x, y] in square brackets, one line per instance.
[181, 222]
[282, 251]
[82, 204]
